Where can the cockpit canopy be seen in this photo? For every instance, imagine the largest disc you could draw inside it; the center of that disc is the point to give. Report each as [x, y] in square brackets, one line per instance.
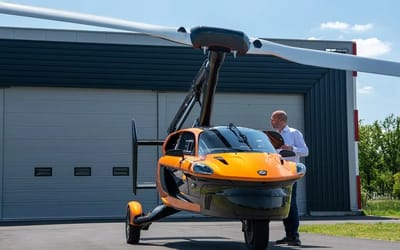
[220, 139]
[233, 139]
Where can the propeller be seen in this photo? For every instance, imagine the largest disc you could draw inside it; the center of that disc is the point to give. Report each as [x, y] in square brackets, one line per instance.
[229, 40]
[178, 35]
[325, 59]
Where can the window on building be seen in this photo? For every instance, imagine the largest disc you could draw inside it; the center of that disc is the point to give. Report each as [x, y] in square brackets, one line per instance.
[43, 171]
[120, 171]
[82, 171]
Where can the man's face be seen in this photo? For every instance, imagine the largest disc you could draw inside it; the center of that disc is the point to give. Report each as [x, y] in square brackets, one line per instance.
[275, 122]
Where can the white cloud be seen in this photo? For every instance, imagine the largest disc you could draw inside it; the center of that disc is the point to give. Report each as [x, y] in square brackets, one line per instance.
[369, 47]
[372, 47]
[345, 27]
[334, 25]
[362, 27]
[365, 90]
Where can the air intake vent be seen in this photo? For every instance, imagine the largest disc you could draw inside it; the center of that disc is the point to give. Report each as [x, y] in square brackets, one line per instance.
[221, 159]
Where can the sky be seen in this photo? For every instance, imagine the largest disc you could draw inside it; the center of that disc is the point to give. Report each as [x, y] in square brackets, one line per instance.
[374, 25]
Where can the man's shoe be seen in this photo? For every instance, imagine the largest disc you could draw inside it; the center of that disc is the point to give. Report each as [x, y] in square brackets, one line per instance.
[294, 242]
[284, 240]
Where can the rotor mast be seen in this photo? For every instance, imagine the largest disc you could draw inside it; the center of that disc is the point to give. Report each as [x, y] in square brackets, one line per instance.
[218, 42]
[216, 59]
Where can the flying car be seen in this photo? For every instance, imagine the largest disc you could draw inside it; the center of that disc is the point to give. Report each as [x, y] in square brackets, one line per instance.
[222, 171]
[226, 170]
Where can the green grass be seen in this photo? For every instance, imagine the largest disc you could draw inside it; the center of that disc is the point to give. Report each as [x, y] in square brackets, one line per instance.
[376, 231]
[387, 208]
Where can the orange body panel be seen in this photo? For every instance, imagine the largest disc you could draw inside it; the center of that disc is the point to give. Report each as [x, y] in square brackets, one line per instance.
[240, 167]
[135, 210]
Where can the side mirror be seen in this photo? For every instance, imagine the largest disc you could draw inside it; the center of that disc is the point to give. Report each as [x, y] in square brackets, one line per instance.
[287, 153]
[175, 152]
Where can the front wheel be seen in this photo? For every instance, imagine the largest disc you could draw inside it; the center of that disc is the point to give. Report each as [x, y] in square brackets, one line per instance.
[132, 233]
[256, 234]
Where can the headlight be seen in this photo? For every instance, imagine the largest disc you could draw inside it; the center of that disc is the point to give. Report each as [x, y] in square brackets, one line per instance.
[202, 169]
[301, 168]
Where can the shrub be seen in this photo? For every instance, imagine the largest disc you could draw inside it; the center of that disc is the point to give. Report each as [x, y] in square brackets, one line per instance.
[396, 185]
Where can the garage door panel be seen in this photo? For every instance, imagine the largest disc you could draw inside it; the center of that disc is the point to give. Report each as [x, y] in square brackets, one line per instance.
[66, 156]
[79, 189]
[147, 165]
[253, 110]
[67, 128]
[169, 104]
[79, 208]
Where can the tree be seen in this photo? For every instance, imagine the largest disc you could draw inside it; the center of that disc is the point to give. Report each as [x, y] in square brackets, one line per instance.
[370, 157]
[379, 155]
[396, 185]
[391, 143]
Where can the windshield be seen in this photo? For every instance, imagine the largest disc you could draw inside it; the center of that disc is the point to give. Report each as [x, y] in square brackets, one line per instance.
[237, 139]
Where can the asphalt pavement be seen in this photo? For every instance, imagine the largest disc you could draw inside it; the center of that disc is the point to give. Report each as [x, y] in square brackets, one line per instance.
[173, 234]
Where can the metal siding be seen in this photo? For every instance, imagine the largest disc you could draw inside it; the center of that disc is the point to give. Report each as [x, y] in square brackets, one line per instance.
[2, 176]
[68, 128]
[38, 63]
[327, 175]
[64, 64]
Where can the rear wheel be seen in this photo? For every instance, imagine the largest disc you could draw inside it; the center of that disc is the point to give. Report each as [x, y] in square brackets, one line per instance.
[256, 234]
[132, 232]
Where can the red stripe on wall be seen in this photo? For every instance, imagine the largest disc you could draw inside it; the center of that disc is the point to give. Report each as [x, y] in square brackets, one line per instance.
[356, 127]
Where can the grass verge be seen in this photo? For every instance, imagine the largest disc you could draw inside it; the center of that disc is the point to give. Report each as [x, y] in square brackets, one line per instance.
[387, 208]
[376, 231]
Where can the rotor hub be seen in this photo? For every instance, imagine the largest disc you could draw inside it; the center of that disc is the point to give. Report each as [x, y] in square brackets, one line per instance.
[220, 39]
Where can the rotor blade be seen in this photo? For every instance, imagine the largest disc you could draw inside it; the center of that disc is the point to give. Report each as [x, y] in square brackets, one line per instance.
[324, 59]
[178, 35]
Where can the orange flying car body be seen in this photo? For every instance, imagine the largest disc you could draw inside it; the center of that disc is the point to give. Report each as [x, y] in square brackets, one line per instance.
[223, 171]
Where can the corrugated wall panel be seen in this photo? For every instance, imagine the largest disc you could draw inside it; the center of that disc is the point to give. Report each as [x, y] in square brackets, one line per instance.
[327, 175]
[40, 63]
[1, 149]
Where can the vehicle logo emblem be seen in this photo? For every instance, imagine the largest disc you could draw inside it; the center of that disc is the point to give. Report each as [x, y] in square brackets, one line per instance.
[262, 172]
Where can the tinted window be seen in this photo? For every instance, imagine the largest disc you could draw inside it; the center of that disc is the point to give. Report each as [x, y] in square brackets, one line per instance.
[186, 143]
[224, 139]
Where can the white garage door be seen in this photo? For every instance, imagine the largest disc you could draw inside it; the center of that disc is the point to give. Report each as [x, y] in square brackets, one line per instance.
[66, 151]
[247, 110]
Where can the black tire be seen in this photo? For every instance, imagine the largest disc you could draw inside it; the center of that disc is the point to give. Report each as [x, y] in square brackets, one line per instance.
[256, 234]
[132, 233]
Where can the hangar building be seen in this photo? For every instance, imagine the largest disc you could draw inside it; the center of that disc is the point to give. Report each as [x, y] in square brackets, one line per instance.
[67, 99]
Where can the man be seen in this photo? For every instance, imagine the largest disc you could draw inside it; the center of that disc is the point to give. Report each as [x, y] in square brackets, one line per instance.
[294, 141]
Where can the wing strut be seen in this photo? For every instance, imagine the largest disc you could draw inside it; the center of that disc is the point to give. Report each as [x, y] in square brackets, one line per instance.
[192, 97]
